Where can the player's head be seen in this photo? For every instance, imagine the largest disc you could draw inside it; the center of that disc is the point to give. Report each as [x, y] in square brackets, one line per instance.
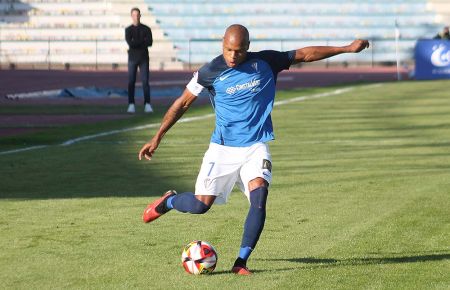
[136, 15]
[446, 30]
[236, 42]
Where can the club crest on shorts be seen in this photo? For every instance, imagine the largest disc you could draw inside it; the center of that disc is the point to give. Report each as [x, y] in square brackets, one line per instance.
[267, 165]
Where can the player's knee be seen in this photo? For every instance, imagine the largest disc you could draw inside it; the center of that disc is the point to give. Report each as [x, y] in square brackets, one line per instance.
[199, 208]
[258, 197]
[257, 182]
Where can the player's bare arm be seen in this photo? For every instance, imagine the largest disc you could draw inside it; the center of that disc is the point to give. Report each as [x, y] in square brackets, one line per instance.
[315, 53]
[173, 114]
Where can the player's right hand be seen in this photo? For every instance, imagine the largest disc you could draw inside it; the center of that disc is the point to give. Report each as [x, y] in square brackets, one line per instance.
[149, 148]
[358, 45]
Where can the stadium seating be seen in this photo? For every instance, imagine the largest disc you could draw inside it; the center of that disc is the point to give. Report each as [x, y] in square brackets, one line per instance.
[291, 24]
[69, 31]
[63, 31]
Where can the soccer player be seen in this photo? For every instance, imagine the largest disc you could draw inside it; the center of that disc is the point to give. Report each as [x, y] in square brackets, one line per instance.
[139, 39]
[242, 89]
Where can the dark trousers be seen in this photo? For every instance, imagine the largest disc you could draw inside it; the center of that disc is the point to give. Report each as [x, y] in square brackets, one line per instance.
[143, 65]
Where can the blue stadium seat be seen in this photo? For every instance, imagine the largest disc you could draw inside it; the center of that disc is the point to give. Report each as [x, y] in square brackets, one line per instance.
[286, 20]
[190, 31]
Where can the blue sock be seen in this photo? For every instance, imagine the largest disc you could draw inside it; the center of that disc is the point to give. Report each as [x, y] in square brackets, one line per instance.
[245, 252]
[186, 202]
[169, 202]
[254, 223]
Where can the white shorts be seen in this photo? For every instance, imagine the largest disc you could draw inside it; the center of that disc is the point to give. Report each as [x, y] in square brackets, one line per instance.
[225, 166]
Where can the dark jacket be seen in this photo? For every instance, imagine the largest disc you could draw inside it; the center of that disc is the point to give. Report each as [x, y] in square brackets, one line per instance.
[139, 38]
[442, 36]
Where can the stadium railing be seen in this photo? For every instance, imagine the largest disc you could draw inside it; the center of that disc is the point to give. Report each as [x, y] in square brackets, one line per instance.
[112, 54]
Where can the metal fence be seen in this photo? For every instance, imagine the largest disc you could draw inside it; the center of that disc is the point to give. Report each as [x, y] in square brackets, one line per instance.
[177, 54]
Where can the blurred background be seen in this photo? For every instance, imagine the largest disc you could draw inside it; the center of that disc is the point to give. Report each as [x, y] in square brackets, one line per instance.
[89, 34]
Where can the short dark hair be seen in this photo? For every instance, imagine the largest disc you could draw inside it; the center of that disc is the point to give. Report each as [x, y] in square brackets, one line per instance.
[135, 9]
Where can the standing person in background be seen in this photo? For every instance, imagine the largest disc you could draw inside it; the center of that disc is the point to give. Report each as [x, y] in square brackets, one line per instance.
[139, 38]
[444, 34]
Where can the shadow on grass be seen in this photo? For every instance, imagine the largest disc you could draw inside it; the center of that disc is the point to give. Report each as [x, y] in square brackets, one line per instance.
[95, 172]
[254, 271]
[102, 168]
[330, 262]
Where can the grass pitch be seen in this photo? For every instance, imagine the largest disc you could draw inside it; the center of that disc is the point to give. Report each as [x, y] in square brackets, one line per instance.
[359, 200]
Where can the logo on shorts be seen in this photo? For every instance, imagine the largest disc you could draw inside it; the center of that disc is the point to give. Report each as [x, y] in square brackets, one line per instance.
[267, 165]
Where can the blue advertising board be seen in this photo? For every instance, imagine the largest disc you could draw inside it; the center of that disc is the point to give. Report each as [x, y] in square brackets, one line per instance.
[432, 59]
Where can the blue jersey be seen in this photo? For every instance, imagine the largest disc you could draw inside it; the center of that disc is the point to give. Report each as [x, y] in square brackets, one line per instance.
[242, 96]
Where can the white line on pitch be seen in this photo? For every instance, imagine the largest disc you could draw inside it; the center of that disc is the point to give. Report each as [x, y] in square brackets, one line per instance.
[23, 149]
[153, 125]
[185, 120]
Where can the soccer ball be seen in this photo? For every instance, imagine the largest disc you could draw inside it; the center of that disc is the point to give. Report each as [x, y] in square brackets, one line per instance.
[199, 257]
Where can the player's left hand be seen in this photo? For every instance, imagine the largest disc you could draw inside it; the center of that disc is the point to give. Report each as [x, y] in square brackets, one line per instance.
[149, 148]
[358, 45]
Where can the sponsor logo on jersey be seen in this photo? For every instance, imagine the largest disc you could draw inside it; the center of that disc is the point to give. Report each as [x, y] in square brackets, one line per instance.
[239, 87]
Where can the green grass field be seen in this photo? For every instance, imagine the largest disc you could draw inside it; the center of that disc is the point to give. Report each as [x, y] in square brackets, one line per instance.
[359, 200]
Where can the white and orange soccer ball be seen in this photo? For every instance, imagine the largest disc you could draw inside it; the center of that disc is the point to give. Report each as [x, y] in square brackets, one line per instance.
[199, 257]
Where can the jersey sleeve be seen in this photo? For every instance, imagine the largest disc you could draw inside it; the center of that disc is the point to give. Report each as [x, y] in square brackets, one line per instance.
[278, 60]
[204, 78]
[194, 87]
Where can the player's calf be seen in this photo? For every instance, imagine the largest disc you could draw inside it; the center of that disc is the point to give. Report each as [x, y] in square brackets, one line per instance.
[253, 227]
[187, 202]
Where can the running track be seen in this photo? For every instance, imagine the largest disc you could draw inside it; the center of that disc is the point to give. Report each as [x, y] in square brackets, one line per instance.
[23, 81]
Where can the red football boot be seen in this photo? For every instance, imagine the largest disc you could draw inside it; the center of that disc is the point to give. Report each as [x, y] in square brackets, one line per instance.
[157, 208]
[241, 270]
